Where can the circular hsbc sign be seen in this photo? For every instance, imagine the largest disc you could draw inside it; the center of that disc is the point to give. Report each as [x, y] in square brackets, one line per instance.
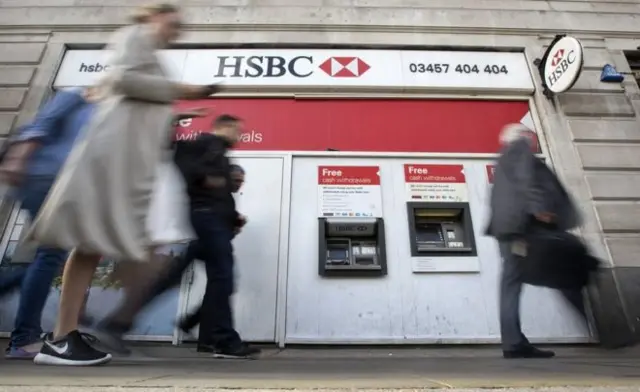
[564, 64]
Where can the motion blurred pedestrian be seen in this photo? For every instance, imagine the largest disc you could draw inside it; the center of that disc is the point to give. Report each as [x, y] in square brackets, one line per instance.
[34, 159]
[99, 203]
[526, 196]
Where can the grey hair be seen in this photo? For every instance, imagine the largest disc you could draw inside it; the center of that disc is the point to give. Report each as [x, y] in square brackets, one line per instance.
[513, 132]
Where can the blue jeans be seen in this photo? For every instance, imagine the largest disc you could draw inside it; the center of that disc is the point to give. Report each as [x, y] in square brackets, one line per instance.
[39, 276]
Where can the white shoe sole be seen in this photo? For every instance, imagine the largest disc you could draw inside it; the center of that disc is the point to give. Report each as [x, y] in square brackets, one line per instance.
[224, 356]
[46, 359]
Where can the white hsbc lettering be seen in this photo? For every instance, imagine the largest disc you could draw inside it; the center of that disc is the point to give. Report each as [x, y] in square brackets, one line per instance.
[561, 68]
[264, 66]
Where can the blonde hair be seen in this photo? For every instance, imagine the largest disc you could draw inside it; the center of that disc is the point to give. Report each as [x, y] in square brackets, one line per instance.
[512, 132]
[143, 13]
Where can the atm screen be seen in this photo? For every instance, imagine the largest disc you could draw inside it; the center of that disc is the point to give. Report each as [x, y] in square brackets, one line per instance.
[337, 254]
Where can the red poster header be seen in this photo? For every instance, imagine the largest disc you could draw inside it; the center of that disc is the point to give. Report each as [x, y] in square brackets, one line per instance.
[434, 173]
[348, 175]
[490, 171]
[384, 125]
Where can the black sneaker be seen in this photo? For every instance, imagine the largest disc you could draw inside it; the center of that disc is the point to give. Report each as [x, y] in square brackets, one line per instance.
[240, 351]
[528, 352]
[71, 350]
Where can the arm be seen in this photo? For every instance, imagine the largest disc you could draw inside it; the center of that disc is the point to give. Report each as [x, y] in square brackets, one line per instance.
[46, 122]
[522, 168]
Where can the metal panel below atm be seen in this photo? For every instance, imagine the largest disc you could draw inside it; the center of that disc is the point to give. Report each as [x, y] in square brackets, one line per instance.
[351, 247]
[441, 229]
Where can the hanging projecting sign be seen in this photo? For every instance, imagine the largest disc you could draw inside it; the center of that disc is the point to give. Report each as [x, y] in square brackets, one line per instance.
[322, 68]
[435, 183]
[349, 191]
[563, 65]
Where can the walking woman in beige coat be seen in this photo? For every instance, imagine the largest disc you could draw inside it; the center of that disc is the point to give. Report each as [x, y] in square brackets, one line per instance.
[100, 201]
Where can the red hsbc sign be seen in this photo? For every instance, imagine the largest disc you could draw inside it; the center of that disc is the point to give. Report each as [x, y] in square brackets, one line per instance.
[363, 125]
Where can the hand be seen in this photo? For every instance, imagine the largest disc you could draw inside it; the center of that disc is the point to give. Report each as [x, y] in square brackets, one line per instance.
[241, 221]
[12, 170]
[546, 217]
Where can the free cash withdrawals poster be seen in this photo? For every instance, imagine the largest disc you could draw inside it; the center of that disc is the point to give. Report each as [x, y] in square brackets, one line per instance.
[435, 183]
[349, 191]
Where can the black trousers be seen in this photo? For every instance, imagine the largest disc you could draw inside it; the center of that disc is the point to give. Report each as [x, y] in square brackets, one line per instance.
[213, 246]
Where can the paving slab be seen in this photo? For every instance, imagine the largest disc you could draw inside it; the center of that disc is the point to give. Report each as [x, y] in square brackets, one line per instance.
[163, 368]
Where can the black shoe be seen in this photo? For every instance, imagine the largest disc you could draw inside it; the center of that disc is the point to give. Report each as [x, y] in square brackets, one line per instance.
[186, 325]
[71, 350]
[239, 351]
[205, 348]
[528, 352]
[111, 337]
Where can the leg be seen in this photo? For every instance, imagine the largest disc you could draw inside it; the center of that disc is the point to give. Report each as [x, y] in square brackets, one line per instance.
[25, 338]
[76, 279]
[36, 285]
[66, 346]
[510, 290]
[514, 343]
[111, 330]
[216, 325]
[85, 319]
[11, 280]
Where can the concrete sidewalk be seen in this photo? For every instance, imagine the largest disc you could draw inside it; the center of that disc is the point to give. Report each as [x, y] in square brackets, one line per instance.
[156, 368]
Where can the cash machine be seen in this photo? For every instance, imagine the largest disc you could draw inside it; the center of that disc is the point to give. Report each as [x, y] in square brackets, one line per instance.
[440, 229]
[351, 247]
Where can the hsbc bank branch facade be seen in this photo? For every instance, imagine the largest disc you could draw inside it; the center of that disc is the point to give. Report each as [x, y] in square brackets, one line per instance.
[396, 144]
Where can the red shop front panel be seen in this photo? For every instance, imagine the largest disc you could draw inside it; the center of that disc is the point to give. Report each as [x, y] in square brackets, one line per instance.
[446, 126]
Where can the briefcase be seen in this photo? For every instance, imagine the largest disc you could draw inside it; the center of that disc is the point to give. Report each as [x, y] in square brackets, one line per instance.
[556, 259]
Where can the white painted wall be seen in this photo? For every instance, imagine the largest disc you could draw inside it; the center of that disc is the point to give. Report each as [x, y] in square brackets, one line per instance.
[404, 307]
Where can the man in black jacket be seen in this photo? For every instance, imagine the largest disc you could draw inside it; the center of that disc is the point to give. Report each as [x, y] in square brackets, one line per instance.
[214, 218]
[192, 320]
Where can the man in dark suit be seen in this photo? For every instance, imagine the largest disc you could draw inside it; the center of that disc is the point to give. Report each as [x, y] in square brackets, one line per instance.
[525, 192]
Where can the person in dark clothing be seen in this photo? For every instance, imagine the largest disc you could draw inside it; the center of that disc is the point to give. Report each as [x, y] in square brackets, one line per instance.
[525, 193]
[206, 170]
[193, 319]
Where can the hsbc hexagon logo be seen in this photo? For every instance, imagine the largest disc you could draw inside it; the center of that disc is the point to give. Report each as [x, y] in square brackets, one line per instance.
[557, 57]
[344, 67]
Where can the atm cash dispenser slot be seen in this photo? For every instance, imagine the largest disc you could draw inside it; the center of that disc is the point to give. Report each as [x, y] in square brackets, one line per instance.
[351, 247]
[440, 229]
